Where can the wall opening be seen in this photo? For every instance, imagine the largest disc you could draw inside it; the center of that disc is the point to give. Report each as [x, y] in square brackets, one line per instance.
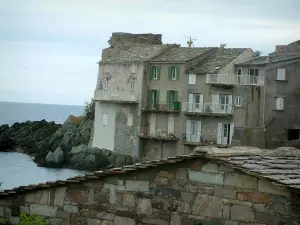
[293, 134]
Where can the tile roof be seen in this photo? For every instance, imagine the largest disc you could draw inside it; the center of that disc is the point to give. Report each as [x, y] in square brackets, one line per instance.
[261, 60]
[180, 54]
[220, 59]
[137, 53]
[282, 166]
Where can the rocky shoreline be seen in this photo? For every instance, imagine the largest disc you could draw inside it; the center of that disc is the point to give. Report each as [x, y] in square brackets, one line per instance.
[60, 146]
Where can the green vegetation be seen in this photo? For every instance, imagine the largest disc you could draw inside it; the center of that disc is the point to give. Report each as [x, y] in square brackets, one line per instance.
[89, 111]
[26, 220]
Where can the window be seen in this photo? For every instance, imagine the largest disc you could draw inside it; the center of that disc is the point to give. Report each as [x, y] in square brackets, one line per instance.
[224, 101]
[239, 71]
[104, 119]
[280, 74]
[253, 72]
[293, 134]
[192, 78]
[129, 120]
[154, 73]
[225, 129]
[238, 101]
[132, 85]
[105, 85]
[174, 73]
[197, 98]
[279, 103]
[194, 127]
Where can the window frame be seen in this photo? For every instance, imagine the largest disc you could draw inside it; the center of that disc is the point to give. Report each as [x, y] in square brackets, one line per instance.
[277, 77]
[174, 73]
[104, 119]
[155, 73]
[280, 103]
[192, 78]
[238, 101]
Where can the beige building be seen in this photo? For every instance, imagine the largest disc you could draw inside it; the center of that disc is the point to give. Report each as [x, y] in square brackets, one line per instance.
[155, 100]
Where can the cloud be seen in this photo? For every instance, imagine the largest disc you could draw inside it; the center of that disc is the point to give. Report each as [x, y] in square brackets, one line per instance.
[49, 49]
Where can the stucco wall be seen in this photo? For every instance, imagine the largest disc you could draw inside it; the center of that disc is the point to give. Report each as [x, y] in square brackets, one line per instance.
[180, 194]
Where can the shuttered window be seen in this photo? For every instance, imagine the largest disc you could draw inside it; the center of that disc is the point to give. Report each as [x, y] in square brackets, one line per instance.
[192, 78]
[280, 74]
[279, 103]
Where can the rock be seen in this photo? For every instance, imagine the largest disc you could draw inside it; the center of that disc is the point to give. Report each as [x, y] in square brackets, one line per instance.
[79, 149]
[55, 158]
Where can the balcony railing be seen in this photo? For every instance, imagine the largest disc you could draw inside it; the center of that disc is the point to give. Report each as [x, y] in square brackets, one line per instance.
[207, 108]
[157, 134]
[231, 80]
[116, 96]
[161, 106]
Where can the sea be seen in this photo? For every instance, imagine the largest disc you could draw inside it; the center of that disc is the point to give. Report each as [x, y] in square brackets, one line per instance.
[17, 169]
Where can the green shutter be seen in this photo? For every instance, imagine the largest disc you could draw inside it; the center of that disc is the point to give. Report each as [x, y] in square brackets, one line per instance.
[158, 72]
[157, 96]
[170, 72]
[151, 73]
[175, 96]
[168, 96]
[177, 72]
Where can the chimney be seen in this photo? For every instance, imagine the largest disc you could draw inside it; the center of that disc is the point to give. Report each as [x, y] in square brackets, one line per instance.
[222, 45]
[269, 60]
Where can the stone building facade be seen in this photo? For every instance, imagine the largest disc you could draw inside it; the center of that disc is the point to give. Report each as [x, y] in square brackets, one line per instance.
[207, 187]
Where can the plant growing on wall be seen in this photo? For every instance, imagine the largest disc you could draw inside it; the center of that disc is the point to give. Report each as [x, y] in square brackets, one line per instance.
[4, 221]
[32, 219]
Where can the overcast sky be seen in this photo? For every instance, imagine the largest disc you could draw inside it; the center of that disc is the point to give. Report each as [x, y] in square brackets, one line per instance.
[49, 48]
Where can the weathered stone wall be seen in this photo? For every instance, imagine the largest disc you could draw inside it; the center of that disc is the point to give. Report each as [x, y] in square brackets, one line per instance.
[192, 192]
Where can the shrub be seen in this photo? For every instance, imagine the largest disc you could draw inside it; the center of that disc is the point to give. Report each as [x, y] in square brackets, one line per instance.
[89, 111]
[4, 221]
[32, 220]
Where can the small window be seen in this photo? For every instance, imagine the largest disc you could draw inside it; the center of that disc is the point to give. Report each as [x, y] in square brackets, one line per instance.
[293, 134]
[173, 73]
[155, 73]
[280, 74]
[129, 120]
[239, 71]
[132, 85]
[104, 119]
[238, 101]
[279, 103]
[192, 78]
[105, 85]
[253, 72]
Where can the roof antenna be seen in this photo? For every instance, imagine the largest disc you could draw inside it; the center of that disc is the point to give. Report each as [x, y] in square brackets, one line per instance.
[190, 41]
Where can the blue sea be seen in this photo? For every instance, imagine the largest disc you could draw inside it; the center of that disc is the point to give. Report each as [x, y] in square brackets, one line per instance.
[11, 112]
[17, 169]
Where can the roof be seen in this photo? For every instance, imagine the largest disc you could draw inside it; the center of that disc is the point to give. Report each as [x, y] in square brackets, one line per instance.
[287, 52]
[282, 166]
[181, 54]
[137, 53]
[220, 59]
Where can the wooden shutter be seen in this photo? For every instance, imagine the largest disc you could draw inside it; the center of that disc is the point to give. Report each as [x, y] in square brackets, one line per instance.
[157, 96]
[198, 131]
[158, 72]
[230, 104]
[215, 102]
[188, 130]
[151, 73]
[219, 134]
[177, 72]
[152, 129]
[231, 132]
[176, 96]
[168, 96]
[171, 124]
[170, 72]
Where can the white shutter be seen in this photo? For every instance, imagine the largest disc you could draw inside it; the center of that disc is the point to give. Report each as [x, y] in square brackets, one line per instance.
[231, 132]
[171, 124]
[219, 134]
[279, 103]
[281, 74]
[191, 102]
[229, 104]
[188, 130]
[201, 105]
[192, 78]
[152, 124]
[215, 103]
[198, 131]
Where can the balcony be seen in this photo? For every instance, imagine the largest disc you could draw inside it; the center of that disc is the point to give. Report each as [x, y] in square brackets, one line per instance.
[116, 96]
[159, 135]
[189, 139]
[232, 80]
[207, 109]
[163, 107]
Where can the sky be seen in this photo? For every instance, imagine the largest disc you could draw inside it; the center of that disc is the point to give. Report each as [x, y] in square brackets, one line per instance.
[49, 49]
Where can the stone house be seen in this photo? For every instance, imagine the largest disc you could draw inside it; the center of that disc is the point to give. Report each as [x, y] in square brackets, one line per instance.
[279, 109]
[239, 186]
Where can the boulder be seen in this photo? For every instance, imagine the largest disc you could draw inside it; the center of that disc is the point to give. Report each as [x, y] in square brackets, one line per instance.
[55, 158]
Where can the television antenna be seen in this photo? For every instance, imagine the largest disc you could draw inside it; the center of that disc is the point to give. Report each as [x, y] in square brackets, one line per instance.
[190, 41]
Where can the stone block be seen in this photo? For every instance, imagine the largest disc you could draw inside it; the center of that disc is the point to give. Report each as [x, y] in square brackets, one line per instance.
[81, 220]
[54, 221]
[77, 195]
[225, 192]
[105, 216]
[161, 181]
[123, 221]
[106, 222]
[266, 218]
[15, 220]
[240, 180]
[144, 206]
[237, 202]
[129, 200]
[183, 207]
[71, 208]
[181, 174]
[226, 212]
[242, 212]
[63, 215]
[223, 168]
[43, 210]
[259, 207]
[166, 174]
[175, 220]
[59, 197]
[202, 177]
[206, 205]
[191, 188]
[153, 221]
[197, 165]
[187, 196]
[210, 168]
[282, 209]
[231, 222]
[133, 185]
[267, 187]
[39, 197]
[93, 221]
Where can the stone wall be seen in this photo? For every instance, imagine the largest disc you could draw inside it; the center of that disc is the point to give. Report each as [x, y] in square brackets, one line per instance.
[192, 192]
